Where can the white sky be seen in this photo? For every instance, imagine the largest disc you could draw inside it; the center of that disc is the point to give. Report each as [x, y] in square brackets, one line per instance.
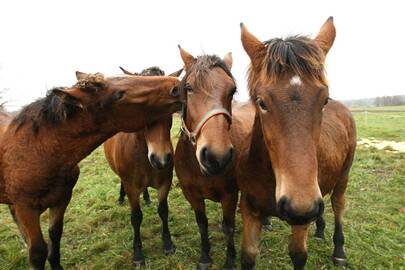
[42, 43]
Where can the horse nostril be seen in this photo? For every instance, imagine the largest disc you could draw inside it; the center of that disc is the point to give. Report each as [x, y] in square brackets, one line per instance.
[152, 158]
[154, 161]
[228, 157]
[168, 159]
[282, 206]
[204, 153]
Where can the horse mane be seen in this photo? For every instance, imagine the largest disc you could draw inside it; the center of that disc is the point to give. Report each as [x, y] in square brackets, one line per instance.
[47, 110]
[91, 83]
[52, 110]
[202, 65]
[152, 71]
[294, 55]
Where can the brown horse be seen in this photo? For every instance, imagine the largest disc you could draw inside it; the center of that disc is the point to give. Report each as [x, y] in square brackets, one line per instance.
[152, 71]
[145, 159]
[44, 143]
[301, 146]
[204, 153]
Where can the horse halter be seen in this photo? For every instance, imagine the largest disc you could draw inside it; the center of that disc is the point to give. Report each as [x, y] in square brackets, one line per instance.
[193, 135]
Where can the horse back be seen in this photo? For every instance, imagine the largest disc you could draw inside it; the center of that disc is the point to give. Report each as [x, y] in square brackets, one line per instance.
[337, 144]
[243, 115]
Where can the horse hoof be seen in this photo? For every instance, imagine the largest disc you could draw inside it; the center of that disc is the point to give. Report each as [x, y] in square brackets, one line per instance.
[120, 202]
[268, 227]
[171, 250]
[203, 266]
[339, 261]
[58, 267]
[138, 263]
[227, 267]
[319, 237]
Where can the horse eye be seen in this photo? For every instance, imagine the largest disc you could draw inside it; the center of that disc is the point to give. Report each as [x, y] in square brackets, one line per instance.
[326, 101]
[118, 95]
[188, 88]
[261, 104]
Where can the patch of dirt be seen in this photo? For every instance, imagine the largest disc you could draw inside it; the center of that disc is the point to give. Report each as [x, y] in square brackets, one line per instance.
[389, 146]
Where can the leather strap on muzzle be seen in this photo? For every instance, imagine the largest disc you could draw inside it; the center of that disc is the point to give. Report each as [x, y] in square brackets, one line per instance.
[192, 136]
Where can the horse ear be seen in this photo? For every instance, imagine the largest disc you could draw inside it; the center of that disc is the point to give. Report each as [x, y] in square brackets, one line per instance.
[176, 73]
[188, 59]
[326, 35]
[81, 75]
[252, 45]
[228, 60]
[126, 71]
[68, 97]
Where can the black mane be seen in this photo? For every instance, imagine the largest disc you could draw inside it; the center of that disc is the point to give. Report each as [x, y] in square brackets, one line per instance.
[47, 110]
[152, 71]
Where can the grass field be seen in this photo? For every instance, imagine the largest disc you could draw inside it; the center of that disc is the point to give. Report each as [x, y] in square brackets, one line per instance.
[98, 234]
[384, 123]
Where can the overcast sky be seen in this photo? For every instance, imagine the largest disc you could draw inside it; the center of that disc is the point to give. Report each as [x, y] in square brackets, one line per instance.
[42, 43]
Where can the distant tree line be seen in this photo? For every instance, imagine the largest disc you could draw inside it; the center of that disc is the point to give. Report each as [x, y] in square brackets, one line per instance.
[376, 102]
[389, 101]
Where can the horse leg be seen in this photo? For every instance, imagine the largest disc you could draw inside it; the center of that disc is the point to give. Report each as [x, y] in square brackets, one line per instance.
[163, 211]
[133, 194]
[202, 221]
[338, 205]
[228, 226]
[198, 205]
[12, 212]
[146, 197]
[320, 228]
[121, 198]
[252, 226]
[29, 221]
[267, 225]
[56, 215]
[298, 246]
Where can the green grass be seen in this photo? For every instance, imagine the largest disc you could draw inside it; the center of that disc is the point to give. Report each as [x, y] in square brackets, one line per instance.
[98, 234]
[381, 125]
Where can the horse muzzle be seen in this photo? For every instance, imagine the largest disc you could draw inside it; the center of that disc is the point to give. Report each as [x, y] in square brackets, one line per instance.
[161, 162]
[212, 164]
[293, 217]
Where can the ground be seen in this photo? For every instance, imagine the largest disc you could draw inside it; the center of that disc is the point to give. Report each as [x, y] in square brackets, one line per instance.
[98, 234]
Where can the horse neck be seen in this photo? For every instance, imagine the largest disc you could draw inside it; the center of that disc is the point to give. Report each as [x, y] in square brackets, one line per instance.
[258, 154]
[78, 137]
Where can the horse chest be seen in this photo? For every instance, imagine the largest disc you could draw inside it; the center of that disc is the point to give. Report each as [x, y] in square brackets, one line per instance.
[261, 199]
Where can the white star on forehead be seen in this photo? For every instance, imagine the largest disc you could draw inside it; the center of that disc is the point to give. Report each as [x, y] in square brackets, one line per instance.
[295, 80]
